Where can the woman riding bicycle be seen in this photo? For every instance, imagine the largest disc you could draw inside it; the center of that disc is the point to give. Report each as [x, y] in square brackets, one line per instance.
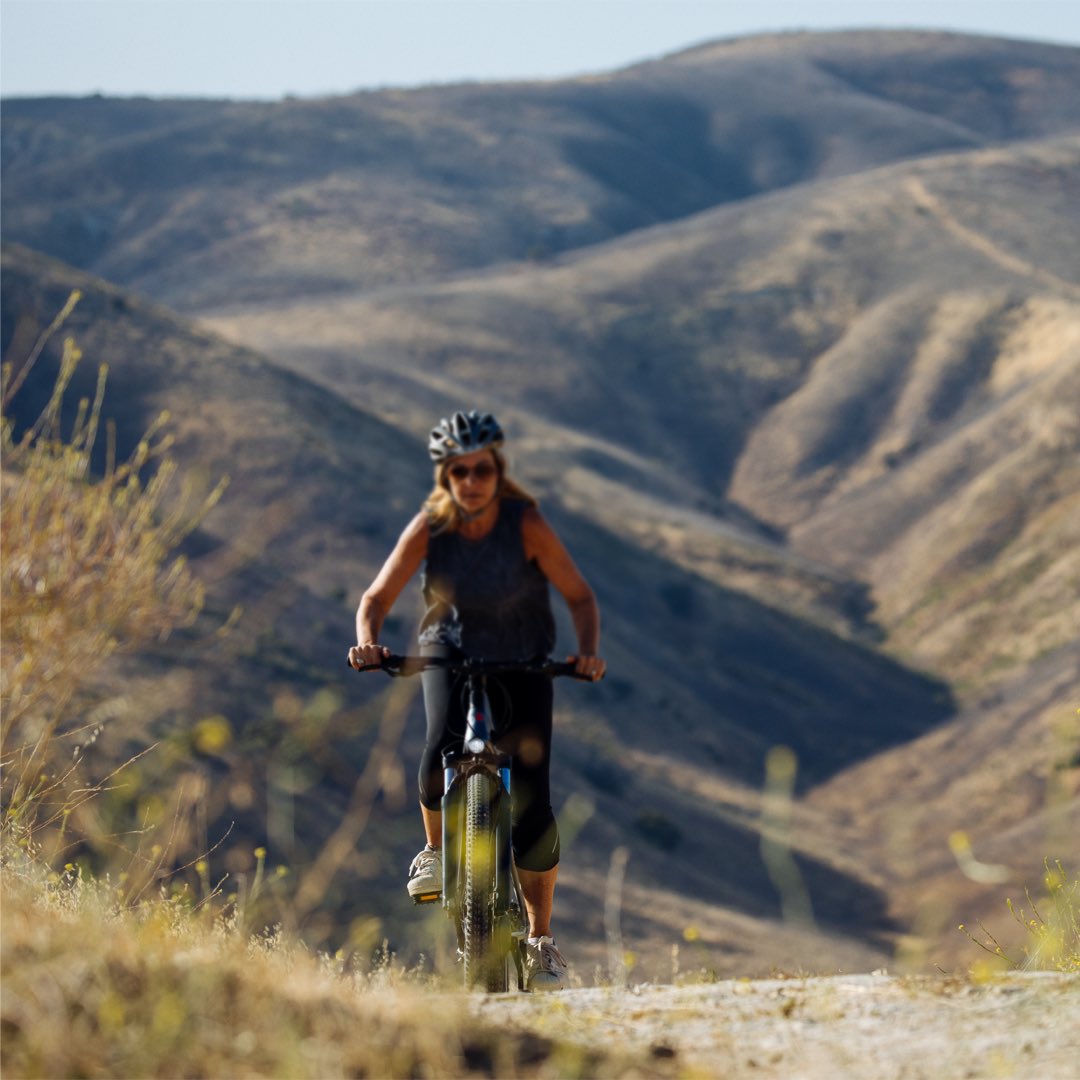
[488, 556]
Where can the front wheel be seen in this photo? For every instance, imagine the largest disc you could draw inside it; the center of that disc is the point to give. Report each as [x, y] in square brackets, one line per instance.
[485, 953]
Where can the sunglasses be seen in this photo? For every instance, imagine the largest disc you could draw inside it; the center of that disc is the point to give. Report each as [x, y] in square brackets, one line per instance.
[484, 471]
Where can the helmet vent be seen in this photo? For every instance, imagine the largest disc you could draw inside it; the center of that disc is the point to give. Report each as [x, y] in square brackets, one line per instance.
[464, 433]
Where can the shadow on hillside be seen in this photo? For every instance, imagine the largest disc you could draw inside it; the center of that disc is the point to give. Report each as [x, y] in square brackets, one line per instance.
[659, 157]
[661, 169]
[699, 845]
[716, 678]
[728, 872]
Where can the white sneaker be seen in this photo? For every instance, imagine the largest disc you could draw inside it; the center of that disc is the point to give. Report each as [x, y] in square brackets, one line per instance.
[425, 876]
[545, 968]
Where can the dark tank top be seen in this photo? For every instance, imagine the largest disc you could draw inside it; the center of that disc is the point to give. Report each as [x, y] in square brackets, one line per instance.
[484, 597]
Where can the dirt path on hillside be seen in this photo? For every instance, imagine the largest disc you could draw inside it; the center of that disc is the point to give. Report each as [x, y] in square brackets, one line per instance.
[985, 246]
[876, 1026]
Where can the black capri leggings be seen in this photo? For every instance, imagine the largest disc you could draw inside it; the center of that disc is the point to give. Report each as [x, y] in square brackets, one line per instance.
[521, 707]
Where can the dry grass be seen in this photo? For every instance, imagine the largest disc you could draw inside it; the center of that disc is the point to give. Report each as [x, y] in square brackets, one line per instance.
[1051, 926]
[89, 568]
[93, 988]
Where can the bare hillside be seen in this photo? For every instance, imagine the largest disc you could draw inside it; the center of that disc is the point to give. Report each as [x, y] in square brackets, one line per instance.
[854, 363]
[299, 534]
[884, 369]
[192, 202]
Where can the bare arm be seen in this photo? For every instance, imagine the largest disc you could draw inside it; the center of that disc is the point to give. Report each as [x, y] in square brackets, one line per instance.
[545, 547]
[377, 601]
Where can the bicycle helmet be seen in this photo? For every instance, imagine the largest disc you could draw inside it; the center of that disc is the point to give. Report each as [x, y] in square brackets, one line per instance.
[464, 433]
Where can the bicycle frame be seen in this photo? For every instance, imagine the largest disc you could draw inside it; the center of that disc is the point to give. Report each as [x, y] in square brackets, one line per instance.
[507, 925]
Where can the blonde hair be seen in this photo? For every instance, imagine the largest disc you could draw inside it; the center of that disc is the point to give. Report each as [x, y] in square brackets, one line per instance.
[444, 515]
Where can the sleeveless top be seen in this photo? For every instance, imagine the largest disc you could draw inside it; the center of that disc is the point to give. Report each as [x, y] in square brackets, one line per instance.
[484, 597]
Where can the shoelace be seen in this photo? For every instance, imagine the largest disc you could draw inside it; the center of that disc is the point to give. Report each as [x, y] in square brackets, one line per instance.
[426, 860]
[550, 957]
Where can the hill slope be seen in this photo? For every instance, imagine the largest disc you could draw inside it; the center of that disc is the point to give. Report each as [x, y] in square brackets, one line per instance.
[190, 202]
[790, 394]
[853, 363]
[884, 370]
[301, 532]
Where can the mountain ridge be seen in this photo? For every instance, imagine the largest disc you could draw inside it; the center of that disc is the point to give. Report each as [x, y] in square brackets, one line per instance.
[463, 175]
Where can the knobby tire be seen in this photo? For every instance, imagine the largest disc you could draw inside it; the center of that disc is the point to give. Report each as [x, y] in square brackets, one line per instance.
[485, 959]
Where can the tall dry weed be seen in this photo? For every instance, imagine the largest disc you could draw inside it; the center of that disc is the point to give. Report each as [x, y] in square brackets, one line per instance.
[1051, 925]
[88, 567]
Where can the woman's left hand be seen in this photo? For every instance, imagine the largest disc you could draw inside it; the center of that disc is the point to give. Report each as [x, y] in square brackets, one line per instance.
[589, 667]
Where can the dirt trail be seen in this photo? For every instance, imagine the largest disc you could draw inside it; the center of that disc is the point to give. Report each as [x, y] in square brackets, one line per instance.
[875, 1026]
[929, 202]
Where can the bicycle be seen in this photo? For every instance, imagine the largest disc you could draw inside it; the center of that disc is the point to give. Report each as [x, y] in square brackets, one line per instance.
[481, 891]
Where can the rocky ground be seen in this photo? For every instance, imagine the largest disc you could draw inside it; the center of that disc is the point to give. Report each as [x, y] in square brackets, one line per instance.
[876, 1025]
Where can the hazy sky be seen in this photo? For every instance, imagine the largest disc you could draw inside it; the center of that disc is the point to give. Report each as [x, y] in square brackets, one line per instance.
[268, 48]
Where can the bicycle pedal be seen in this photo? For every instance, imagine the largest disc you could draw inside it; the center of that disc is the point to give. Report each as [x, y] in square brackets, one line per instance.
[427, 898]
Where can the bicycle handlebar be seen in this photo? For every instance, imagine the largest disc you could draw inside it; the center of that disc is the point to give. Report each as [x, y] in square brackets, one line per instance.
[404, 666]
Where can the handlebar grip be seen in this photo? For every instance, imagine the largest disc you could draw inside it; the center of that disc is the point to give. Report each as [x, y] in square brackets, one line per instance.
[563, 667]
[560, 667]
[390, 664]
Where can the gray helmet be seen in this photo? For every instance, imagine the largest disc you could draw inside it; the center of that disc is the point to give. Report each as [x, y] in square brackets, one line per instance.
[464, 433]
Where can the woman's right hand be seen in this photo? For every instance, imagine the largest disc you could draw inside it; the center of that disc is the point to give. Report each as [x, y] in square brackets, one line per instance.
[369, 655]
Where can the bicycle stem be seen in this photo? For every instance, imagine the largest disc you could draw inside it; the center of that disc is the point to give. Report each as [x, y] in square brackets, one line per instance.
[477, 730]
